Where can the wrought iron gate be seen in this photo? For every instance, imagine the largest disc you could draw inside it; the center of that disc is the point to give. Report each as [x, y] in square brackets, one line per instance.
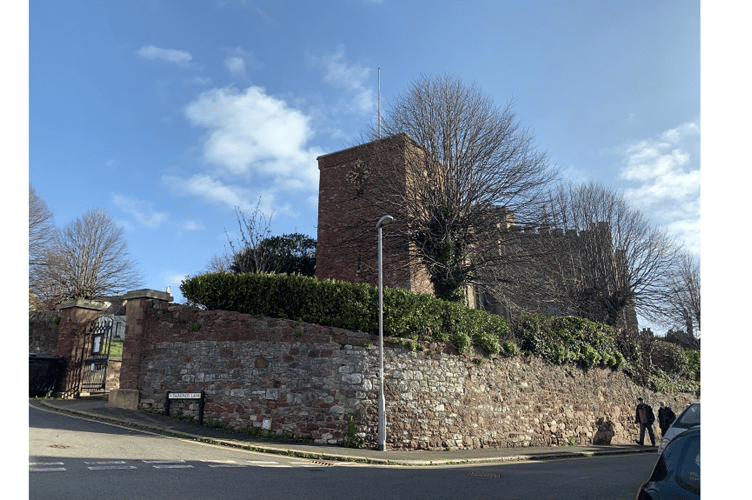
[94, 369]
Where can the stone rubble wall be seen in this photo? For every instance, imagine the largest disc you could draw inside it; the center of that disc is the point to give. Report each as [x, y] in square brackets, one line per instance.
[307, 380]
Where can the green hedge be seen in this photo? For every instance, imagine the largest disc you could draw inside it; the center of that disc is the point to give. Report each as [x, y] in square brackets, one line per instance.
[350, 306]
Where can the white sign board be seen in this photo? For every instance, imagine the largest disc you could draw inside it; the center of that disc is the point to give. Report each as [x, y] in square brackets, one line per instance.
[185, 395]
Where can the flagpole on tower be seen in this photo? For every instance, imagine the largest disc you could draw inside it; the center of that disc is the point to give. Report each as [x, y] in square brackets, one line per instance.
[379, 113]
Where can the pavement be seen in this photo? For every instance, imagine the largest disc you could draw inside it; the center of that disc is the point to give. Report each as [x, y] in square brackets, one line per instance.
[96, 408]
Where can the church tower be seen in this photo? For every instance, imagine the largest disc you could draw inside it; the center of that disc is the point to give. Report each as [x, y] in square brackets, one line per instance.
[350, 205]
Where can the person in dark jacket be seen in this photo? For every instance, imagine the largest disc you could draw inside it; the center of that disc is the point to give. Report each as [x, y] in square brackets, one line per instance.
[665, 418]
[645, 417]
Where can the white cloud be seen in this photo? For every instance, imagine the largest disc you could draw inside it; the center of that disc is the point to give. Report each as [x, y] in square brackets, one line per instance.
[236, 65]
[253, 134]
[230, 196]
[239, 61]
[201, 80]
[142, 211]
[175, 278]
[211, 190]
[678, 134]
[192, 225]
[665, 164]
[257, 149]
[353, 78]
[664, 176]
[151, 52]
[688, 232]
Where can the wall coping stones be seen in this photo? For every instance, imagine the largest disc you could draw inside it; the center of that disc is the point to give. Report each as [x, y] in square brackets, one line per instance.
[83, 304]
[147, 293]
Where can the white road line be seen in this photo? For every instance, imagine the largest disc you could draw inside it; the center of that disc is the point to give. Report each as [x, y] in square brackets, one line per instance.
[111, 467]
[227, 465]
[45, 467]
[106, 462]
[168, 464]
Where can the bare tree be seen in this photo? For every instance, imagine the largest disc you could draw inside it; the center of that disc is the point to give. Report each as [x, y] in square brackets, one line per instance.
[614, 261]
[290, 253]
[683, 296]
[88, 259]
[219, 263]
[471, 164]
[256, 250]
[42, 229]
[42, 232]
[248, 254]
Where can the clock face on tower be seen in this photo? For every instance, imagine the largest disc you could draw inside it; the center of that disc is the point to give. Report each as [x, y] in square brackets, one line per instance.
[358, 175]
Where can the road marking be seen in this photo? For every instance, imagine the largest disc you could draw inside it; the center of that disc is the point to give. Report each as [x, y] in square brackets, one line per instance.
[111, 467]
[171, 464]
[223, 463]
[267, 463]
[45, 467]
[483, 474]
[168, 464]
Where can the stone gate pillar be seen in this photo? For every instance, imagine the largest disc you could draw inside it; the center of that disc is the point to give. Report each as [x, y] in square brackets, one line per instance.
[136, 333]
[76, 317]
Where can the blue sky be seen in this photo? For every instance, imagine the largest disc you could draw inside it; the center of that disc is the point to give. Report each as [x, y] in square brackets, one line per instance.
[169, 114]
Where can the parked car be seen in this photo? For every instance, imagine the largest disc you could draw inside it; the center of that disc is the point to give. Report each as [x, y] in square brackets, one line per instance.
[686, 420]
[676, 474]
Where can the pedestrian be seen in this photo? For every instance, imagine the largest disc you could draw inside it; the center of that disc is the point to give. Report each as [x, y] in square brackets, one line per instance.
[665, 418]
[645, 417]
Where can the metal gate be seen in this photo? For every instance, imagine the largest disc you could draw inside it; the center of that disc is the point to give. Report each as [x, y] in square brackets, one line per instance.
[94, 369]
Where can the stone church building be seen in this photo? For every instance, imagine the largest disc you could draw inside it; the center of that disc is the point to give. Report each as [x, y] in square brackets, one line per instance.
[351, 203]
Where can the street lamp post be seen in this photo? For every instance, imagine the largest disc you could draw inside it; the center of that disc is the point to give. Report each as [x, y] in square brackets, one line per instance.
[384, 221]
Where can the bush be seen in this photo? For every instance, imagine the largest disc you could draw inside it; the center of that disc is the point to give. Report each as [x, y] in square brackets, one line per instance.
[693, 364]
[509, 348]
[569, 339]
[675, 360]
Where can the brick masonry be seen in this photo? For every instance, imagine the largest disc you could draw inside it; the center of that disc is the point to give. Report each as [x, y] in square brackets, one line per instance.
[349, 208]
[307, 380]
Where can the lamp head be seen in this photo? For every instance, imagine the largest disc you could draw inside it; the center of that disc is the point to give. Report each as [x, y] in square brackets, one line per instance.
[384, 221]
